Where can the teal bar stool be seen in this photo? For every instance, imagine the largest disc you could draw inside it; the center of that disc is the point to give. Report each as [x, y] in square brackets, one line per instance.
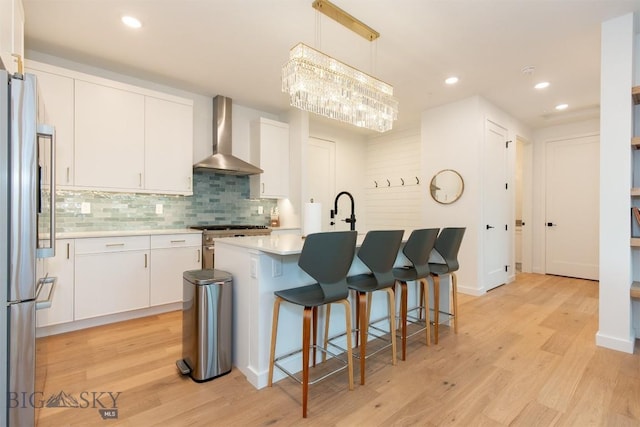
[448, 246]
[326, 257]
[417, 250]
[378, 252]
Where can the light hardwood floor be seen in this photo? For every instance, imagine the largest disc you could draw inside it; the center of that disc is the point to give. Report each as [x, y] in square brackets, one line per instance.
[524, 356]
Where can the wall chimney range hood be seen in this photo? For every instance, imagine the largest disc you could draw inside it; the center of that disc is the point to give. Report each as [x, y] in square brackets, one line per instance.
[222, 161]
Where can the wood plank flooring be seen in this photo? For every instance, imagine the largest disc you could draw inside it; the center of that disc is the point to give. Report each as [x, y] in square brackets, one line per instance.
[525, 355]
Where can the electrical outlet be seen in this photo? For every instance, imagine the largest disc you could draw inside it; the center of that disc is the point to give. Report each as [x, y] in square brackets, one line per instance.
[260, 210]
[253, 268]
[85, 208]
[276, 267]
[159, 208]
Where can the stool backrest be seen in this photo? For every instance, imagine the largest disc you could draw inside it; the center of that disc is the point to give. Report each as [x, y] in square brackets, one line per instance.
[327, 258]
[379, 251]
[448, 245]
[418, 248]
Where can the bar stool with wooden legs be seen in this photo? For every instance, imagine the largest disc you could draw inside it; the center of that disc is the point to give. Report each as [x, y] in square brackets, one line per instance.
[417, 250]
[447, 245]
[378, 252]
[326, 257]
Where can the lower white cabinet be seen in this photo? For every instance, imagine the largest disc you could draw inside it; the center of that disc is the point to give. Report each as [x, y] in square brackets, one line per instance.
[171, 256]
[108, 275]
[112, 275]
[60, 266]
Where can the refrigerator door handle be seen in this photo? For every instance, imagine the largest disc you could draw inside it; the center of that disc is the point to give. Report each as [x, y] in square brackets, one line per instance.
[45, 282]
[48, 132]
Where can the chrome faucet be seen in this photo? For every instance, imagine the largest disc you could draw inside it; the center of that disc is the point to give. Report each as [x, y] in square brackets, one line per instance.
[352, 219]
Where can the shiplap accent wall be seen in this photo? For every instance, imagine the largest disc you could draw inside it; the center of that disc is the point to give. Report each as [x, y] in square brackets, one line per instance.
[390, 159]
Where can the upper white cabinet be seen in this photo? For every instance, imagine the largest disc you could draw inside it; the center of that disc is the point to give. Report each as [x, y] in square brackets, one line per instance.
[55, 107]
[11, 33]
[109, 130]
[168, 161]
[116, 137]
[270, 152]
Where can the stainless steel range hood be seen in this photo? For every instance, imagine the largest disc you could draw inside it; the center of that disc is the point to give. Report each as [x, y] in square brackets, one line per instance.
[222, 161]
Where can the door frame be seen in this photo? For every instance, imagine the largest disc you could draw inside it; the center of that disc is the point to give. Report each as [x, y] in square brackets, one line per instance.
[527, 204]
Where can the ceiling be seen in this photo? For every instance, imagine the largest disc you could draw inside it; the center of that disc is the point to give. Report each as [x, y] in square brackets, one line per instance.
[237, 48]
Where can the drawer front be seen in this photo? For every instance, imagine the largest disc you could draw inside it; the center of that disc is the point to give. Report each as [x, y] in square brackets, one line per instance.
[111, 244]
[175, 240]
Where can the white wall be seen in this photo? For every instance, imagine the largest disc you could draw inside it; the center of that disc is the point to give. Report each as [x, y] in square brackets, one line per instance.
[616, 129]
[453, 138]
[394, 156]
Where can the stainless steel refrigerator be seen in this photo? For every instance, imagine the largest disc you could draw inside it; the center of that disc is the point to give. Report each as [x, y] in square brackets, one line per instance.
[27, 232]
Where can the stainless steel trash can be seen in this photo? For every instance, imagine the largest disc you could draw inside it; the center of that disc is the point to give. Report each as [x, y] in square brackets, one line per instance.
[206, 324]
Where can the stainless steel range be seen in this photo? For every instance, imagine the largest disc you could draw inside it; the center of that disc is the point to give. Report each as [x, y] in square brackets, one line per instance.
[211, 232]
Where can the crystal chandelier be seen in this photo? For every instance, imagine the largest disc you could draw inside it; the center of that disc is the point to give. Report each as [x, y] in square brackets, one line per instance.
[323, 85]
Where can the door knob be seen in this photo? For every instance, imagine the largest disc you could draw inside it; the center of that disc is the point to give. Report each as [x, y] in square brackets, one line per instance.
[490, 226]
[550, 224]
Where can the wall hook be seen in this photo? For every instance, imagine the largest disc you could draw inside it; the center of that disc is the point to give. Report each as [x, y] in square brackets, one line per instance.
[388, 183]
[401, 179]
[417, 181]
[376, 183]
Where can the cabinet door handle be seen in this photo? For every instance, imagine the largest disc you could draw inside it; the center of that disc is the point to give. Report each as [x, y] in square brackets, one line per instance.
[140, 177]
[112, 245]
[189, 183]
[263, 188]
[145, 261]
[68, 250]
[198, 255]
[178, 241]
[68, 173]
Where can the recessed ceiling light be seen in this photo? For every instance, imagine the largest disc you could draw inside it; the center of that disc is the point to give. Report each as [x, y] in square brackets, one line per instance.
[451, 80]
[562, 106]
[132, 22]
[542, 85]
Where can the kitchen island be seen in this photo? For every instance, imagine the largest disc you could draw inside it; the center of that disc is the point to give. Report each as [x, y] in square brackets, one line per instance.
[261, 265]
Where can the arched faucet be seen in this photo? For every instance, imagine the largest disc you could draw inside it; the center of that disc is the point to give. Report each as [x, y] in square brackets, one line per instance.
[352, 219]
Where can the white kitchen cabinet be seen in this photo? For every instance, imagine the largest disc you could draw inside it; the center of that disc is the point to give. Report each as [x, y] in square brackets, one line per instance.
[168, 129]
[270, 152]
[112, 275]
[109, 137]
[171, 256]
[11, 33]
[62, 267]
[55, 107]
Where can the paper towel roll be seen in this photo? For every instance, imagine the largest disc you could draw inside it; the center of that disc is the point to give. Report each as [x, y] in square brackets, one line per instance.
[312, 218]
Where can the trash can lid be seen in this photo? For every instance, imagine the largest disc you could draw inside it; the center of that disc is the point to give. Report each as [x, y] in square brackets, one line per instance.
[206, 276]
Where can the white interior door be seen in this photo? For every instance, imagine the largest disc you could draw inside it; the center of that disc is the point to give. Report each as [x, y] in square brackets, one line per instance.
[321, 166]
[572, 213]
[497, 227]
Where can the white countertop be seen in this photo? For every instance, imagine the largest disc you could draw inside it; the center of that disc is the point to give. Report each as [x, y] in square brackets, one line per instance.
[123, 233]
[280, 244]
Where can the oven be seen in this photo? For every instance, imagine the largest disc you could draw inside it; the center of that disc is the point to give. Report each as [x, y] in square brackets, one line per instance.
[210, 232]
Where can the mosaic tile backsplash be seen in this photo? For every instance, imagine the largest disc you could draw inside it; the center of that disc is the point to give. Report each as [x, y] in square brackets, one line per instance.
[217, 199]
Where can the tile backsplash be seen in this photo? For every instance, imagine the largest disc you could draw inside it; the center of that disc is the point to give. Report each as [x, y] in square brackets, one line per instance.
[217, 199]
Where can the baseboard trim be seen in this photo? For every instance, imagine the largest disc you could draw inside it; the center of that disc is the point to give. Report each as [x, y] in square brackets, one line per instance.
[615, 343]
